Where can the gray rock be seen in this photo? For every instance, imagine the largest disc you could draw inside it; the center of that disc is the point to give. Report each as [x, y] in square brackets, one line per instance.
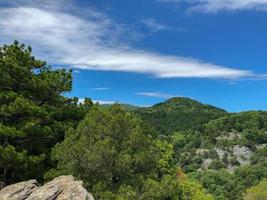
[71, 189]
[229, 136]
[206, 163]
[243, 154]
[18, 191]
[47, 192]
[220, 153]
[61, 188]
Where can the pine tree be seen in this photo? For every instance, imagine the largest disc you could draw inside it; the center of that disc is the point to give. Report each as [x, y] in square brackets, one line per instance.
[33, 113]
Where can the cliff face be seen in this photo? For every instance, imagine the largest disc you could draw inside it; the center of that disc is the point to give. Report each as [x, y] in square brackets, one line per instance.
[61, 188]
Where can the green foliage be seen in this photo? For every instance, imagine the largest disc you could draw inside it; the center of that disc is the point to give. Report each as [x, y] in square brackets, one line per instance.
[18, 161]
[223, 134]
[227, 186]
[178, 114]
[126, 107]
[258, 192]
[126, 192]
[117, 157]
[221, 184]
[251, 175]
[116, 154]
[109, 147]
[165, 163]
[247, 129]
[248, 122]
[33, 113]
[152, 189]
[259, 156]
[193, 191]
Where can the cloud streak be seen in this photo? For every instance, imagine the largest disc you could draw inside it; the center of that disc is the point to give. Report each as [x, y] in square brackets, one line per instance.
[214, 6]
[155, 94]
[100, 88]
[155, 26]
[92, 42]
[101, 102]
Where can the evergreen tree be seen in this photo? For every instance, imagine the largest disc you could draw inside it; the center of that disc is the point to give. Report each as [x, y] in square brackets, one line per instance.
[109, 147]
[33, 113]
[118, 157]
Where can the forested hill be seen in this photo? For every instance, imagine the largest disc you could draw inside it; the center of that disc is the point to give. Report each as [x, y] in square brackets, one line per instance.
[206, 153]
[227, 156]
[126, 107]
[178, 114]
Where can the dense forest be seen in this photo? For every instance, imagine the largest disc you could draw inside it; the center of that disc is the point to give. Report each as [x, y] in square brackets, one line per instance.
[178, 114]
[180, 149]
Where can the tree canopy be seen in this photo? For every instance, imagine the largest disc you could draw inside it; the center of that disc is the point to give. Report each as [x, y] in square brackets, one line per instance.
[258, 192]
[33, 113]
[114, 152]
[179, 149]
[178, 114]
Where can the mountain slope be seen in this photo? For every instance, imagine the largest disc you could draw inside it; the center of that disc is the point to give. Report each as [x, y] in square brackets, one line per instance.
[127, 107]
[178, 113]
[228, 155]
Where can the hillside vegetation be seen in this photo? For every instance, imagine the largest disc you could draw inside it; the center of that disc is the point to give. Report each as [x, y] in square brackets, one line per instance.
[180, 149]
[126, 107]
[178, 114]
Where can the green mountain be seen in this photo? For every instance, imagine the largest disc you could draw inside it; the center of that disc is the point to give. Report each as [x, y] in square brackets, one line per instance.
[201, 148]
[179, 113]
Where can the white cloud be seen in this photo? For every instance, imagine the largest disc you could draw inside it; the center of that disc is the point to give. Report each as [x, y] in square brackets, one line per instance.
[81, 100]
[104, 102]
[233, 83]
[155, 26]
[155, 94]
[214, 6]
[100, 88]
[91, 42]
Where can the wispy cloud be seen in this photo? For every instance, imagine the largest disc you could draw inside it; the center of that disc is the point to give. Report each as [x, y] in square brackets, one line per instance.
[155, 26]
[81, 100]
[233, 83]
[214, 6]
[100, 88]
[91, 41]
[101, 102]
[155, 94]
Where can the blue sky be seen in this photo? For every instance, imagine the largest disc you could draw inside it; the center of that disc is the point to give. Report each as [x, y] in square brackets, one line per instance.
[144, 52]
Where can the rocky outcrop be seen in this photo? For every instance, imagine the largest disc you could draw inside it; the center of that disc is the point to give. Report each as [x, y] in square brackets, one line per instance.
[61, 188]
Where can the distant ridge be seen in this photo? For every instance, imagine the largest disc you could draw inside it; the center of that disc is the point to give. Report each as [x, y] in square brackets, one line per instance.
[179, 113]
[187, 103]
[127, 107]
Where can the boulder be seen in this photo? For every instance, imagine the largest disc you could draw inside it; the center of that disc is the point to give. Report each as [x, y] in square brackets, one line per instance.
[61, 188]
[18, 191]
